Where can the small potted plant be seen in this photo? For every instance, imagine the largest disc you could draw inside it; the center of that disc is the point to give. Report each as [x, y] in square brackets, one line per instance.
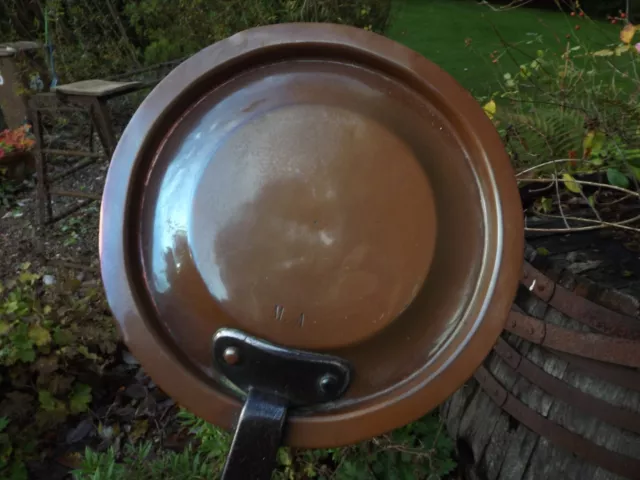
[16, 160]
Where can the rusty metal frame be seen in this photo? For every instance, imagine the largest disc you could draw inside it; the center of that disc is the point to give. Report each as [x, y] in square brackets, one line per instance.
[590, 452]
[611, 352]
[579, 308]
[620, 351]
[620, 417]
[615, 374]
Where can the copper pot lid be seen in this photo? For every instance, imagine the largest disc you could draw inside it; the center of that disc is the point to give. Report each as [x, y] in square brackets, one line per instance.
[322, 188]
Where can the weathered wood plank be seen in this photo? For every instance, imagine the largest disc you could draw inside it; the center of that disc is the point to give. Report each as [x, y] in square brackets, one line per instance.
[503, 449]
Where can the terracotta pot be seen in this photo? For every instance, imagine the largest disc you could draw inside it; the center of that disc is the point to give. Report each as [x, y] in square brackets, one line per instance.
[19, 164]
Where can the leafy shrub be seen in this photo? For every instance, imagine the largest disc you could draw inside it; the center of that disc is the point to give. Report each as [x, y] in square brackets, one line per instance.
[116, 36]
[176, 29]
[570, 120]
[575, 103]
[46, 334]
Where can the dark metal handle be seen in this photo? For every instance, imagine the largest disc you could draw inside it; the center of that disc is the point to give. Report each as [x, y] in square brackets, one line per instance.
[257, 439]
[274, 379]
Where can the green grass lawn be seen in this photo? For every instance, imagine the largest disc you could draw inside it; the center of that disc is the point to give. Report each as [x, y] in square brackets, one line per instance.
[438, 30]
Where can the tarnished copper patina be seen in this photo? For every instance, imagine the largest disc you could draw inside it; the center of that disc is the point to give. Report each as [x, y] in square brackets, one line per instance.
[323, 188]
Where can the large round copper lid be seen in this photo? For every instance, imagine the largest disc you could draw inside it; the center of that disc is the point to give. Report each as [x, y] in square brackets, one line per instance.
[322, 188]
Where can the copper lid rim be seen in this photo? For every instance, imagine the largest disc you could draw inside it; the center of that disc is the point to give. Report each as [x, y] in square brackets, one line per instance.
[419, 393]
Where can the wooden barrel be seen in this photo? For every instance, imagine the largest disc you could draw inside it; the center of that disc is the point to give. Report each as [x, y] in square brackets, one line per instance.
[559, 395]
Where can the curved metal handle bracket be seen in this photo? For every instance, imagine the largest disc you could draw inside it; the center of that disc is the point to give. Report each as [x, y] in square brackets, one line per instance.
[273, 378]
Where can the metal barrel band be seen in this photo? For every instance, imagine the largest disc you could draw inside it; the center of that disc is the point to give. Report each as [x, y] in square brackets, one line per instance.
[615, 374]
[614, 462]
[620, 417]
[577, 307]
[614, 350]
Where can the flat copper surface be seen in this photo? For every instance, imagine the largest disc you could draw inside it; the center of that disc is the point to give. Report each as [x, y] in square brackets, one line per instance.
[320, 187]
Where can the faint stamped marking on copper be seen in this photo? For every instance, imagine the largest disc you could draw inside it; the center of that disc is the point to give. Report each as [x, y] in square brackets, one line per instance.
[279, 315]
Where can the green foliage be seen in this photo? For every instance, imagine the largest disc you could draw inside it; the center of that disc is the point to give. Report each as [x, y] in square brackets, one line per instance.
[420, 450]
[111, 37]
[141, 463]
[573, 111]
[174, 29]
[46, 332]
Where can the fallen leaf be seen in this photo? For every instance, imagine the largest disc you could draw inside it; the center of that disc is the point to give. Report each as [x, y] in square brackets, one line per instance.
[80, 398]
[620, 49]
[597, 143]
[627, 33]
[138, 431]
[604, 53]
[59, 384]
[16, 405]
[71, 460]
[39, 335]
[136, 391]
[46, 364]
[570, 183]
[490, 109]
[4, 327]
[83, 429]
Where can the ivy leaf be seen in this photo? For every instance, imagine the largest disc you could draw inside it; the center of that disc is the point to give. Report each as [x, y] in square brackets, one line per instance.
[139, 429]
[284, 458]
[627, 33]
[63, 337]
[490, 109]
[617, 178]
[547, 204]
[39, 335]
[82, 350]
[4, 327]
[570, 183]
[80, 398]
[49, 403]
[26, 354]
